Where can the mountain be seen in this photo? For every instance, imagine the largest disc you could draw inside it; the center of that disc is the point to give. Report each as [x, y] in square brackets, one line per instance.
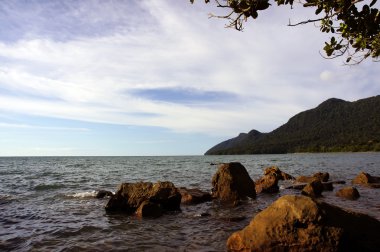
[334, 126]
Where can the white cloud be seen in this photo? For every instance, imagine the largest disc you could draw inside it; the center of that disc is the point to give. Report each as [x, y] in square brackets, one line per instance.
[275, 71]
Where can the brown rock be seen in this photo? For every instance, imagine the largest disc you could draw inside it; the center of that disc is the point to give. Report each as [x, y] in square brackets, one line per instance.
[166, 195]
[322, 176]
[194, 196]
[297, 186]
[232, 183]
[149, 209]
[278, 173]
[349, 192]
[367, 180]
[130, 196]
[298, 223]
[313, 189]
[267, 184]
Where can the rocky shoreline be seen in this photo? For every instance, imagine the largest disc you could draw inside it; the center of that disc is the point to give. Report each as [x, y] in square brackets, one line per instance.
[300, 222]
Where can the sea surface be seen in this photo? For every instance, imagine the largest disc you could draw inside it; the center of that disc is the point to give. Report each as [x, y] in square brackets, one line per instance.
[48, 204]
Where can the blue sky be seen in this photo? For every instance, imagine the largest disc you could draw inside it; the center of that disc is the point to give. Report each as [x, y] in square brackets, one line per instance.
[156, 77]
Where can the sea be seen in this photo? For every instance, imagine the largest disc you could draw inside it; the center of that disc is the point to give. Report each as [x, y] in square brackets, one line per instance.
[48, 203]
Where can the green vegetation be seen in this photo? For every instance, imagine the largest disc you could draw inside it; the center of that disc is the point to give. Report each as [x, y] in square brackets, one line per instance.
[353, 24]
[333, 126]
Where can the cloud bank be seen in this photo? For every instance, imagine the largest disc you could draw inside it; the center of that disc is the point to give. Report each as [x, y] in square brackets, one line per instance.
[165, 64]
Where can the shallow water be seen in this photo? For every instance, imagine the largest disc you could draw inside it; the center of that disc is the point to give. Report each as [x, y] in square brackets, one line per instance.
[47, 203]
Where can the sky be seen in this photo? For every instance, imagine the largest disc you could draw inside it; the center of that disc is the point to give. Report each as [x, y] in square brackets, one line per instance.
[157, 77]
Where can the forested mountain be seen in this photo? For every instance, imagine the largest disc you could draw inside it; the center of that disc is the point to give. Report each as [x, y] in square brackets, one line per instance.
[334, 126]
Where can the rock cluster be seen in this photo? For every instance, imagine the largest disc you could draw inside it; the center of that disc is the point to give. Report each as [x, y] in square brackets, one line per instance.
[292, 223]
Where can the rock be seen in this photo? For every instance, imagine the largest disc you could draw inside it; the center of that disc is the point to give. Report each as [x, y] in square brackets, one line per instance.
[299, 223]
[278, 173]
[327, 186]
[166, 195]
[349, 192]
[297, 186]
[194, 196]
[313, 189]
[338, 182]
[130, 196]
[103, 193]
[232, 183]
[322, 176]
[149, 209]
[267, 184]
[367, 180]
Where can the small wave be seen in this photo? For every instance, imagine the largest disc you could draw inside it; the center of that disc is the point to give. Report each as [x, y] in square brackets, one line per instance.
[5, 199]
[88, 194]
[44, 187]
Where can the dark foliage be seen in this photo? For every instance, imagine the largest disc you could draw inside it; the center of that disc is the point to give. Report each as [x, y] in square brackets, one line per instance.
[333, 126]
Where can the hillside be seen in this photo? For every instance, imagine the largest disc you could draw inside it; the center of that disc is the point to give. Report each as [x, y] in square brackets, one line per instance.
[334, 126]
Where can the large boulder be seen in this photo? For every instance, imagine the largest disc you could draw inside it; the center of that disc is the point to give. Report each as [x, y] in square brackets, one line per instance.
[232, 183]
[274, 170]
[299, 223]
[349, 192]
[267, 184]
[367, 180]
[130, 196]
[322, 176]
[194, 196]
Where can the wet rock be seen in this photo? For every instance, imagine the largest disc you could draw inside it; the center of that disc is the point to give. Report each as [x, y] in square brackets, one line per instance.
[328, 186]
[299, 223]
[349, 192]
[130, 196]
[233, 218]
[103, 193]
[149, 209]
[313, 189]
[274, 170]
[367, 180]
[232, 183]
[194, 196]
[297, 186]
[322, 176]
[338, 182]
[267, 184]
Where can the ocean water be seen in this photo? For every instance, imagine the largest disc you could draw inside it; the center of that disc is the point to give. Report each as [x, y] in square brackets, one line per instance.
[48, 204]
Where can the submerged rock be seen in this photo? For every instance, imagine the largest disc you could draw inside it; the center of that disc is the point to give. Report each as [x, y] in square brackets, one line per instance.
[349, 192]
[232, 183]
[130, 196]
[267, 184]
[367, 180]
[322, 176]
[194, 196]
[274, 170]
[299, 223]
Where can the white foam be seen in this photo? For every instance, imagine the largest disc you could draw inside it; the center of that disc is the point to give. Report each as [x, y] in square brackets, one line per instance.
[90, 194]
